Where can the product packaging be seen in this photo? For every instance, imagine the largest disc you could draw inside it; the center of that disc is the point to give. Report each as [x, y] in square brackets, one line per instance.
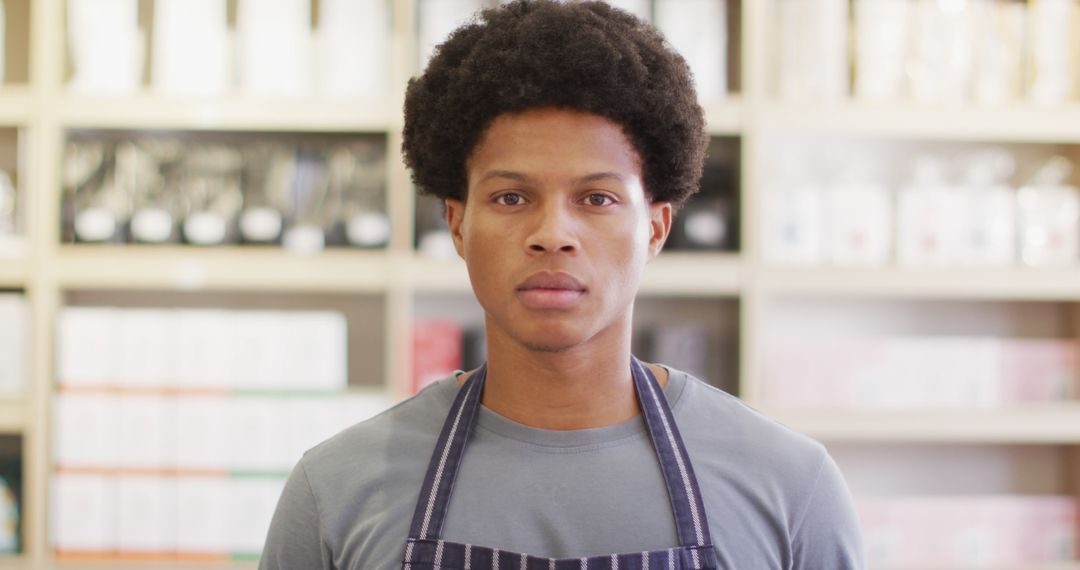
[353, 48]
[697, 29]
[989, 208]
[1049, 217]
[1000, 43]
[813, 49]
[274, 47]
[857, 222]
[1054, 32]
[182, 66]
[883, 36]
[943, 53]
[105, 46]
[929, 218]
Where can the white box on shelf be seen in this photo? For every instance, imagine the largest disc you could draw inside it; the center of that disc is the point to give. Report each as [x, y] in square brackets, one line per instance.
[86, 430]
[274, 47]
[146, 513]
[882, 47]
[353, 47]
[260, 353]
[259, 434]
[205, 348]
[315, 344]
[183, 65]
[813, 52]
[86, 347]
[83, 513]
[858, 224]
[145, 345]
[253, 501]
[203, 515]
[697, 29]
[147, 436]
[202, 433]
[14, 345]
[107, 48]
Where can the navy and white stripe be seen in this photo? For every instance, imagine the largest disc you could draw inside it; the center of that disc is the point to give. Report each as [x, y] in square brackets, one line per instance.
[425, 550]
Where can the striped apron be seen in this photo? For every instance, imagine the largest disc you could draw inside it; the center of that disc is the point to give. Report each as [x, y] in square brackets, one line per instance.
[425, 550]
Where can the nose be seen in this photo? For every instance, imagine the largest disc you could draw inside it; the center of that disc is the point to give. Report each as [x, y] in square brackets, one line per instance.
[552, 230]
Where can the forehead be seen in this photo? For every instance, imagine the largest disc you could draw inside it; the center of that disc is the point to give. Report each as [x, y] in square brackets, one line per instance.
[552, 143]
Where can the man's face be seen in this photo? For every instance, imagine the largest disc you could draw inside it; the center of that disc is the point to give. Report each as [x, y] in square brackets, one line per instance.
[556, 228]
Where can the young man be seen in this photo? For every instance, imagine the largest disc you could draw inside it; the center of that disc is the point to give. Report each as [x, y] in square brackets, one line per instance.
[562, 138]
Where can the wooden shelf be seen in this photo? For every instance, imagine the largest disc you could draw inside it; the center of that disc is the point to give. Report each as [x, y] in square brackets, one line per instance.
[1014, 123]
[231, 113]
[1001, 284]
[17, 105]
[1037, 424]
[13, 273]
[12, 415]
[225, 268]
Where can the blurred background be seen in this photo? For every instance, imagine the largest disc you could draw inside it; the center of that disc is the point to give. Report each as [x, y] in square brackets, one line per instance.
[212, 258]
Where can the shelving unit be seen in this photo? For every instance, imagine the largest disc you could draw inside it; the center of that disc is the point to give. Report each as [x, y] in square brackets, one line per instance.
[739, 284]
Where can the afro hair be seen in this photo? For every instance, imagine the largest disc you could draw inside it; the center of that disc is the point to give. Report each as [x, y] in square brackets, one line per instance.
[582, 56]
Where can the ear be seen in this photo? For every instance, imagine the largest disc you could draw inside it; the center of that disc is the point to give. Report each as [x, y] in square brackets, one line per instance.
[454, 213]
[659, 226]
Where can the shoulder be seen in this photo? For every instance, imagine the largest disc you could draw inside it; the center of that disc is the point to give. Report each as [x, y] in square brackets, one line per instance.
[724, 433]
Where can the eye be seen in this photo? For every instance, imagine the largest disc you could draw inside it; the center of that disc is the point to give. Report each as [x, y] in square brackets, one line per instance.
[599, 200]
[509, 199]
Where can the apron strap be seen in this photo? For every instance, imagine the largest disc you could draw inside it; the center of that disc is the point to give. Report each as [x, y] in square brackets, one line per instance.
[685, 495]
[445, 461]
[682, 486]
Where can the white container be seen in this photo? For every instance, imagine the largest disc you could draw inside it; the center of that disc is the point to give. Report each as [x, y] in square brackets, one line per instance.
[943, 52]
[882, 47]
[192, 47]
[929, 219]
[793, 228]
[106, 46]
[697, 29]
[146, 514]
[203, 515]
[989, 206]
[858, 224]
[1049, 218]
[813, 53]
[353, 48]
[87, 349]
[1000, 44]
[274, 47]
[87, 430]
[1055, 45]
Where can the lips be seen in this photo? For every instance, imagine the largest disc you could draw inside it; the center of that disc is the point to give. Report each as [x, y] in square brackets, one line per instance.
[548, 290]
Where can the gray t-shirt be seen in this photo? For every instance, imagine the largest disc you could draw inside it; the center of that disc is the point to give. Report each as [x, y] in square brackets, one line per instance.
[774, 498]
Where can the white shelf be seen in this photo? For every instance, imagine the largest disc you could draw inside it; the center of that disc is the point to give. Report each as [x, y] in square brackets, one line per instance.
[1001, 284]
[12, 415]
[1015, 123]
[1036, 424]
[16, 106]
[13, 273]
[226, 268]
[693, 274]
[147, 111]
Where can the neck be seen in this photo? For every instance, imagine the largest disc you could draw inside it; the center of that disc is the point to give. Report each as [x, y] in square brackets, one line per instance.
[583, 387]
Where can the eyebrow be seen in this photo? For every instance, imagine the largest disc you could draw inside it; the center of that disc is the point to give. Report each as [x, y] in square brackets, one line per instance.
[518, 177]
